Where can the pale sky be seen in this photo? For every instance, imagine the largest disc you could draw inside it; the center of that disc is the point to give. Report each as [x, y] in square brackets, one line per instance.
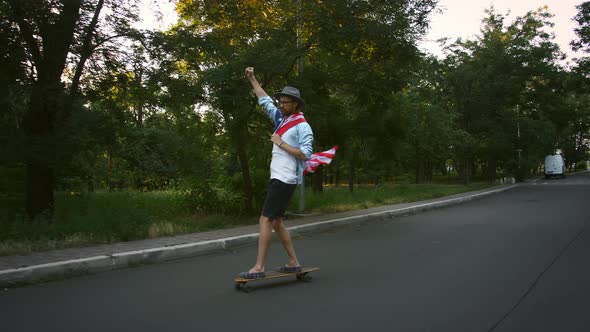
[158, 14]
[460, 18]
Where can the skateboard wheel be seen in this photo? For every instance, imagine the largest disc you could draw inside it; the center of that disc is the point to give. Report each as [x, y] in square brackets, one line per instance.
[241, 286]
[303, 277]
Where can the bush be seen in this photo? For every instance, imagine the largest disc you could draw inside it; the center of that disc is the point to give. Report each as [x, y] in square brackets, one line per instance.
[405, 178]
[210, 198]
[12, 187]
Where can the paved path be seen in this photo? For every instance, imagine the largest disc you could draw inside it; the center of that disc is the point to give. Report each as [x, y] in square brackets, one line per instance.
[58, 264]
[515, 261]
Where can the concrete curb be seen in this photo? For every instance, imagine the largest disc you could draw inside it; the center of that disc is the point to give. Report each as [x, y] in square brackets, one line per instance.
[96, 264]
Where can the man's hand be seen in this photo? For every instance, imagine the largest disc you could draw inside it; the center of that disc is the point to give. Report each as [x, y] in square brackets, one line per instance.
[258, 91]
[276, 139]
[250, 72]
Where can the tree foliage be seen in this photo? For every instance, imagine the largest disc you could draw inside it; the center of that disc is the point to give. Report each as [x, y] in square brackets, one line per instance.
[92, 103]
[503, 84]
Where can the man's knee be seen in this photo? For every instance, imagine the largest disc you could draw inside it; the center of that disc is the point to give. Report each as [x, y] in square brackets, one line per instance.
[278, 224]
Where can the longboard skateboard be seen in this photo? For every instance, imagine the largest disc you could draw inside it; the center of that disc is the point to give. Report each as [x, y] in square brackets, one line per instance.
[241, 283]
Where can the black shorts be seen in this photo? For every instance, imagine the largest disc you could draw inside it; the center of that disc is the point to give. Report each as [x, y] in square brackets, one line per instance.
[277, 198]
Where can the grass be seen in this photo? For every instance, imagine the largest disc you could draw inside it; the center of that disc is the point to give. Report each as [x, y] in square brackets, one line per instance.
[106, 217]
[340, 199]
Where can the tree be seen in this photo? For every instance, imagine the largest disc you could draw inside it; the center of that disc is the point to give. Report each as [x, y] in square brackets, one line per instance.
[347, 53]
[50, 34]
[215, 38]
[578, 133]
[498, 80]
[583, 28]
[15, 87]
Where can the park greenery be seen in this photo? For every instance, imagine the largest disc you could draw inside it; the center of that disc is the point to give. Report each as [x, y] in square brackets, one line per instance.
[93, 106]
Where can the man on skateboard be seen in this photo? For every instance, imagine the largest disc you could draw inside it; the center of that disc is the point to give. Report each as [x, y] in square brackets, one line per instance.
[292, 145]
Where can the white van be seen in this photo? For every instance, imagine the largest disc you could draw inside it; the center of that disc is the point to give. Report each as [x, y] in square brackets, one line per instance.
[554, 166]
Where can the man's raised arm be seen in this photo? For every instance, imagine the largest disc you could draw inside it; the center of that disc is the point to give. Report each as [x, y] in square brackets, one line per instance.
[257, 88]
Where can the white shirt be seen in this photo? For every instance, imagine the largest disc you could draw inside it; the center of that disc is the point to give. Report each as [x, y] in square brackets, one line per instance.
[284, 166]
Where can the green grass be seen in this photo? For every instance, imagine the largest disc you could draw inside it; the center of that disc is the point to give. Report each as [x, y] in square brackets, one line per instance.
[341, 199]
[103, 217]
[106, 217]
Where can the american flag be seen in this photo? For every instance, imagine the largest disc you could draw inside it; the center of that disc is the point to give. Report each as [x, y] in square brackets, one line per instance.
[320, 158]
[291, 121]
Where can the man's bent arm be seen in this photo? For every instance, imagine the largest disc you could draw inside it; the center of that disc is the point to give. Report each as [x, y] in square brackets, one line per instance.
[301, 153]
[297, 153]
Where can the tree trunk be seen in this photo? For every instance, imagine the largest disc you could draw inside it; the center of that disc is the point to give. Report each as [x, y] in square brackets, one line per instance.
[39, 188]
[352, 173]
[351, 179]
[466, 170]
[86, 49]
[46, 106]
[140, 114]
[491, 169]
[38, 125]
[419, 171]
[139, 92]
[241, 143]
[110, 182]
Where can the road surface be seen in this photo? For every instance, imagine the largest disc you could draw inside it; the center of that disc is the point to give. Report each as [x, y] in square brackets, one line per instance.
[515, 261]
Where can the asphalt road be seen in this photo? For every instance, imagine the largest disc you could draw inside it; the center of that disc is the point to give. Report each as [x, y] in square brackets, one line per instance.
[515, 261]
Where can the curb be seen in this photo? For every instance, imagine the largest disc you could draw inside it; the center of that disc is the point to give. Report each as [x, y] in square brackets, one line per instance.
[102, 263]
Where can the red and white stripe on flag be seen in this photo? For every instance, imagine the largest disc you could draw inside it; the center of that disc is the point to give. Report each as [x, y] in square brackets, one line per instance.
[320, 158]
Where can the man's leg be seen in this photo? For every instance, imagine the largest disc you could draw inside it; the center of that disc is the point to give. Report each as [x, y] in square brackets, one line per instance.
[285, 238]
[265, 226]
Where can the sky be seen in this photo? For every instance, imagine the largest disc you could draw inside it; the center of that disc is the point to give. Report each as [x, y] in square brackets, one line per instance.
[462, 19]
[459, 19]
[156, 14]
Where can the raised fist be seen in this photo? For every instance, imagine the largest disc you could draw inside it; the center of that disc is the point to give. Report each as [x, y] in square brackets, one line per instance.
[250, 72]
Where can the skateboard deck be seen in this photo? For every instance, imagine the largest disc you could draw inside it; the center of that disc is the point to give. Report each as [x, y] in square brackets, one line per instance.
[241, 283]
